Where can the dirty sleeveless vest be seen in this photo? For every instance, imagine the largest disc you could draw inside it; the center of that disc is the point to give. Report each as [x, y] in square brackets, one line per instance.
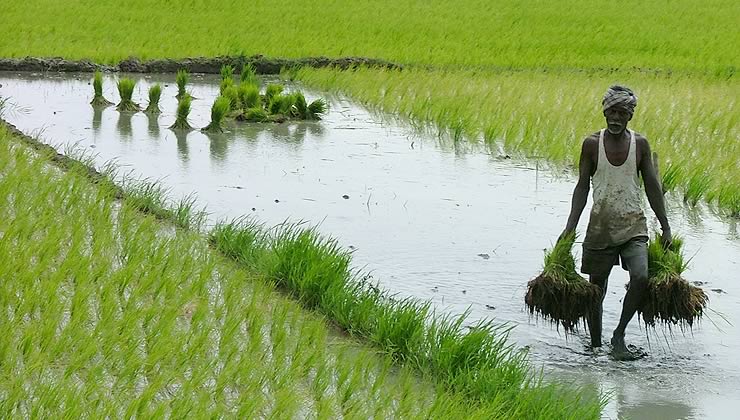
[616, 215]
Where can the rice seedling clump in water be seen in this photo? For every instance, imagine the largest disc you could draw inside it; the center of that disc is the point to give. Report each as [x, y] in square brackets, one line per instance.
[182, 79]
[670, 299]
[559, 294]
[99, 99]
[248, 76]
[126, 90]
[218, 111]
[155, 92]
[183, 110]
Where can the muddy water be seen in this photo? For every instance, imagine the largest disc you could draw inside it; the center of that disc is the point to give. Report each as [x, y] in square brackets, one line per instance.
[463, 228]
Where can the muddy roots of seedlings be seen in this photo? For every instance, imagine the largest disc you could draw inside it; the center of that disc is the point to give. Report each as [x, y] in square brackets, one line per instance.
[183, 110]
[670, 299]
[99, 99]
[559, 294]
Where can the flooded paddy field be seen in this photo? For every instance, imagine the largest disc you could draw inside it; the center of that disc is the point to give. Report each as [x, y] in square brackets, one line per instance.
[461, 226]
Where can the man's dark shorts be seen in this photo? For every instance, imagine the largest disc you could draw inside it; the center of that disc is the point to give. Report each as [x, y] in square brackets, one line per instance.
[633, 255]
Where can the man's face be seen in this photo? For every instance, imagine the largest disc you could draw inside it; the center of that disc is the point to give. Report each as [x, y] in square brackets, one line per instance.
[617, 118]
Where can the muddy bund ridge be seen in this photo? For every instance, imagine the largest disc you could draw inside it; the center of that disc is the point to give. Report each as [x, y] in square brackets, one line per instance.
[460, 225]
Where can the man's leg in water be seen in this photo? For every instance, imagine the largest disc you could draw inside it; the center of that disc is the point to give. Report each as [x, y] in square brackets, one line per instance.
[595, 317]
[635, 256]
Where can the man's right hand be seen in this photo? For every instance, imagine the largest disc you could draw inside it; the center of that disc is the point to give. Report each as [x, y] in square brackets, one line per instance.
[568, 230]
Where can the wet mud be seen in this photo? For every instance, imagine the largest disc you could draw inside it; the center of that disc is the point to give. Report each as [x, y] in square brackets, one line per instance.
[205, 65]
[436, 220]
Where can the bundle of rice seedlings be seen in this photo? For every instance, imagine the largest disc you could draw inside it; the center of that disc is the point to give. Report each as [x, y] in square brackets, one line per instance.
[183, 110]
[281, 105]
[248, 76]
[559, 294]
[271, 91]
[227, 72]
[99, 99]
[126, 90]
[300, 106]
[316, 109]
[182, 80]
[249, 95]
[219, 110]
[225, 84]
[256, 114]
[670, 299]
[155, 92]
[232, 94]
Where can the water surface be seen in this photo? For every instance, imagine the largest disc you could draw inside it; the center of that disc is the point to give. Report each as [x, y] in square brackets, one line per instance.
[462, 226]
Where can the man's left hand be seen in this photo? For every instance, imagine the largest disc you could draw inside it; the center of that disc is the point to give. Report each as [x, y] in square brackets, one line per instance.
[666, 238]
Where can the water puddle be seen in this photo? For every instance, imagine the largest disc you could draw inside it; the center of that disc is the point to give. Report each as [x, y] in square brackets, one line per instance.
[463, 228]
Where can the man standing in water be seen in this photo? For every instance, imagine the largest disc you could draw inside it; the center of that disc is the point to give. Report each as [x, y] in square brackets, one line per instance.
[613, 159]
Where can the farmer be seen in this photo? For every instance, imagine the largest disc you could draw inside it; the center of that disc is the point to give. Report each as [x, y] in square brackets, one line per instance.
[612, 159]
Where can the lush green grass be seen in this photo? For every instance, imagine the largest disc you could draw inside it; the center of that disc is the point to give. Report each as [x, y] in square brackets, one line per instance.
[680, 35]
[692, 123]
[107, 312]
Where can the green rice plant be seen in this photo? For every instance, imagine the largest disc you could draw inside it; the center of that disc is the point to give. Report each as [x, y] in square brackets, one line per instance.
[281, 105]
[249, 95]
[248, 76]
[183, 110]
[126, 90]
[316, 109]
[182, 79]
[559, 294]
[300, 106]
[271, 91]
[232, 94]
[226, 84]
[155, 93]
[98, 98]
[699, 183]
[670, 299]
[219, 110]
[227, 72]
[256, 114]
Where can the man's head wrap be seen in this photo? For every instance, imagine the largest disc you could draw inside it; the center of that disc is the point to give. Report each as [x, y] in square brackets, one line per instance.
[619, 96]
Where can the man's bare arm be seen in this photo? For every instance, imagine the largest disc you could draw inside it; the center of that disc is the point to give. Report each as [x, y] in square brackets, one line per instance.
[653, 189]
[586, 167]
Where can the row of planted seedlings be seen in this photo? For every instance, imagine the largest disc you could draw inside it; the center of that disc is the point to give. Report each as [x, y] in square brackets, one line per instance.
[240, 102]
[475, 360]
[107, 313]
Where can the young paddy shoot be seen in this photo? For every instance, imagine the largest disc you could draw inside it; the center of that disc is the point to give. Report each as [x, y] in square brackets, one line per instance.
[182, 79]
[219, 110]
[98, 98]
[183, 111]
[126, 91]
[155, 93]
[248, 76]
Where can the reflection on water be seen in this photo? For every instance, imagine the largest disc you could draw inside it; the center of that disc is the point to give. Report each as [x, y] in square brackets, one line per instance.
[124, 125]
[420, 212]
[153, 125]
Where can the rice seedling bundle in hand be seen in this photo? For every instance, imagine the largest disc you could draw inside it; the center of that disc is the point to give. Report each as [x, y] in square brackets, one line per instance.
[155, 92]
[183, 110]
[182, 79]
[126, 90]
[99, 99]
[670, 299]
[559, 294]
[218, 111]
